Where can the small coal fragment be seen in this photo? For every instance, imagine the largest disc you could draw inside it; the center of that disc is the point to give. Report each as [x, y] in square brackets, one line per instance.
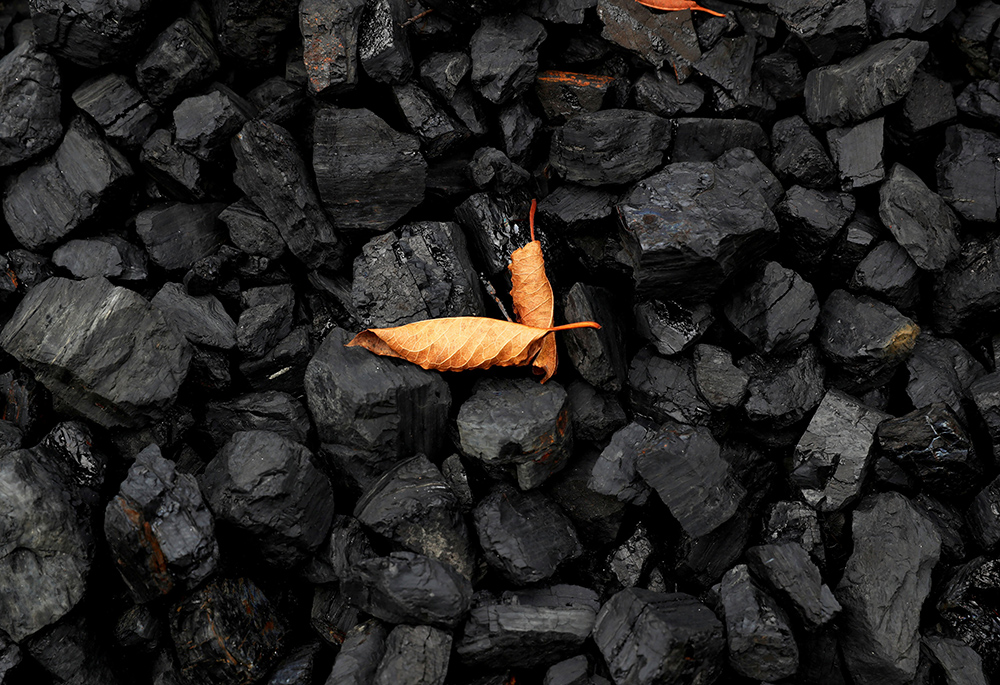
[414, 655]
[781, 75]
[967, 604]
[888, 273]
[160, 532]
[413, 505]
[857, 152]
[83, 177]
[368, 174]
[89, 34]
[983, 521]
[527, 628]
[799, 157]
[524, 535]
[180, 174]
[487, 218]
[273, 411]
[568, 672]
[929, 103]
[659, 93]
[139, 628]
[181, 58]
[706, 139]
[628, 560]
[965, 180]
[72, 651]
[330, 43]
[283, 367]
[760, 640]
[776, 311]
[517, 423]
[108, 256]
[252, 31]
[728, 63]
[941, 370]
[504, 54]
[810, 221]
[651, 637]
[985, 393]
[204, 124]
[665, 389]
[595, 414]
[120, 109]
[29, 103]
[598, 356]
[690, 226]
[894, 18]
[968, 292]
[490, 168]
[615, 471]
[610, 146]
[792, 521]
[719, 381]
[331, 615]
[852, 245]
[518, 125]
[980, 101]
[251, 231]
[346, 546]
[864, 338]
[860, 86]
[781, 391]
[684, 466]
[267, 485]
[227, 632]
[409, 588]
[663, 39]
[786, 568]
[261, 327]
[919, 219]
[360, 655]
[178, 235]
[383, 43]
[564, 94]
[271, 171]
[745, 163]
[298, 667]
[672, 327]
[950, 523]
[826, 29]
[958, 662]
[442, 72]
[887, 577]
[598, 518]
[439, 133]
[104, 352]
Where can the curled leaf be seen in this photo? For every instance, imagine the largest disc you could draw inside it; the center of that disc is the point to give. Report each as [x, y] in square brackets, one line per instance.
[677, 5]
[534, 302]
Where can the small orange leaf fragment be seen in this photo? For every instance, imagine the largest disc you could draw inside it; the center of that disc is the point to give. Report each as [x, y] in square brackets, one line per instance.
[573, 78]
[534, 303]
[677, 6]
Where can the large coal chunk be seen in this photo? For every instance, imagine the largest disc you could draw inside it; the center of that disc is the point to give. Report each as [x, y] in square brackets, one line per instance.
[811, 220]
[160, 531]
[359, 655]
[792, 575]
[180, 174]
[120, 109]
[413, 505]
[685, 467]
[181, 58]
[860, 86]
[983, 521]
[857, 152]
[107, 256]
[330, 43]
[760, 640]
[415, 655]
[383, 42]
[524, 535]
[271, 171]
[965, 178]
[598, 355]
[227, 632]
[439, 133]
[782, 390]
[45, 202]
[887, 578]
[268, 486]
[719, 381]
[409, 588]
[178, 235]
[834, 455]
[888, 274]
[615, 472]
[864, 338]
[610, 146]
[672, 327]
[369, 175]
[918, 219]
[666, 389]
[102, 351]
[651, 637]
[959, 662]
[942, 370]
[968, 292]
[203, 124]
[202, 318]
[777, 310]
[799, 157]
[423, 271]
[527, 628]
[661, 39]
[373, 409]
[29, 103]
[504, 54]
[690, 226]
[46, 545]
[517, 423]
[659, 93]
[90, 34]
[251, 231]
[271, 410]
[486, 217]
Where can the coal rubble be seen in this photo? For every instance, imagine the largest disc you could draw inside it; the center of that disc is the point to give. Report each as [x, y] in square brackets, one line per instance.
[775, 462]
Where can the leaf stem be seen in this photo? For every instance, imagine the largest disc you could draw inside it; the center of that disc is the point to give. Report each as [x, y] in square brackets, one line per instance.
[578, 324]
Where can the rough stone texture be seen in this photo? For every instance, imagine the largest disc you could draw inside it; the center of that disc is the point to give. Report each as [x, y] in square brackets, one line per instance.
[782, 390]
[705, 139]
[107, 256]
[942, 370]
[383, 41]
[178, 235]
[270, 410]
[672, 327]
[252, 31]
[659, 93]
[598, 355]
[889, 274]
[719, 381]
[665, 389]
[968, 292]
[799, 157]
[251, 231]
[663, 39]
[919, 219]
[776, 311]
[180, 58]
[29, 103]
[87, 33]
[414, 655]
[504, 54]
[615, 471]
[758, 634]
[202, 319]
[788, 570]
[203, 124]
[857, 152]
[119, 109]
[965, 178]
[359, 655]
[899, 16]
[438, 131]
[330, 43]
[959, 662]
[811, 220]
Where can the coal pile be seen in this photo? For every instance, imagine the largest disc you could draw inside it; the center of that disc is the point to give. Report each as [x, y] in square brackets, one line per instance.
[773, 463]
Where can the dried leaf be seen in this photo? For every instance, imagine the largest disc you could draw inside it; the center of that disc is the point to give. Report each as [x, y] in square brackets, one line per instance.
[460, 343]
[677, 6]
[534, 302]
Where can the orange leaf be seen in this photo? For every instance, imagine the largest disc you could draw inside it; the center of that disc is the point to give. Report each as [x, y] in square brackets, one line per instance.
[677, 6]
[461, 342]
[534, 303]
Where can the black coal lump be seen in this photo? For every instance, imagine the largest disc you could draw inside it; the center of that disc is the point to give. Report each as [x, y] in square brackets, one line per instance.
[90, 35]
[267, 485]
[782, 390]
[203, 124]
[888, 273]
[442, 72]
[985, 394]
[827, 29]
[71, 650]
[330, 43]
[664, 40]
[492, 169]
[746, 163]
[202, 319]
[524, 535]
[781, 75]
[178, 234]
[119, 108]
[980, 100]
[504, 53]
[360, 654]
[794, 521]
[704, 139]
[346, 546]
[776, 310]
[159, 529]
[649, 637]
[810, 222]
[179, 59]
[597, 355]
[628, 560]
[968, 292]
[659, 93]
[799, 157]
[950, 523]
[178, 174]
[665, 389]
[758, 633]
[929, 104]
[887, 575]
[857, 152]
[790, 573]
[108, 256]
[728, 63]
[672, 326]
[29, 103]
[251, 231]
[965, 178]
[438, 131]
[941, 370]
[598, 518]
[957, 661]
[414, 654]
[331, 614]
[568, 672]
[719, 381]
[527, 628]
[283, 367]
[139, 628]
[491, 222]
[383, 41]
[981, 516]
[271, 410]
[919, 219]
[261, 327]
[966, 606]
[615, 471]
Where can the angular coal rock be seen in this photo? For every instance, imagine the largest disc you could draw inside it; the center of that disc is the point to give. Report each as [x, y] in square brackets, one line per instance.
[439, 133]
[120, 109]
[422, 271]
[941, 370]
[83, 177]
[826, 28]
[267, 485]
[661, 39]
[346, 546]
[628, 560]
[598, 518]
[180, 174]
[203, 124]
[980, 100]
[271, 171]
[746, 163]
[331, 615]
[410, 588]
[297, 668]
[672, 327]
[71, 651]
[25, 401]
[966, 606]
[89, 34]
[615, 471]
[810, 221]
[610, 146]
[413, 505]
[900, 17]
[888, 273]
[982, 519]
[527, 628]
[690, 226]
[853, 244]
[368, 174]
[253, 31]
[887, 578]
[46, 546]
[834, 455]
[929, 103]
[504, 54]
[659, 93]
[651, 637]
[864, 338]
[706, 139]
[684, 466]
[959, 662]
[524, 535]
[442, 72]
[786, 568]
[284, 367]
[718, 380]
[857, 152]
[950, 523]
[178, 235]
[108, 256]
[518, 126]
[181, 58]
[139, 628]
[330, 43]
[261, 327]
[273, 411]
[985, 394]
[792, 521]
[919, 219]
[728, 63]
[969, 290]
[251, 231]
[781, 391]
[360, 655]
[860, 86]
[227, 632]
[964, 181]
[781, 75]
[29, 103]
[665, 389]
[160, 532]
[383, 43]
[799, 157]
[569, 672]
[564, 94]
[595, 414]
[103, 351]
[202, 319]
[776, 311]
[491, 168]
[453, 470]
[760, 640]
[517, 424]
[598, 355]
[416, 655]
